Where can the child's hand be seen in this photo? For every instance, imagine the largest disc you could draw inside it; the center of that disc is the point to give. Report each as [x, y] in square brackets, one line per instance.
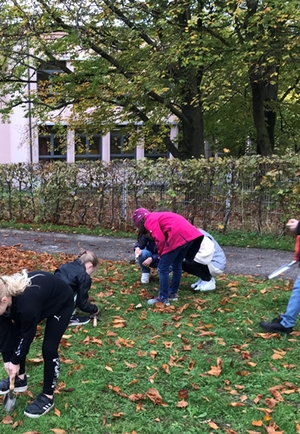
[292, 224]
[137, 252]
[147, 262]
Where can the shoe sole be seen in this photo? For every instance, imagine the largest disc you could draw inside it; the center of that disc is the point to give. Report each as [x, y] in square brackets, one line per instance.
[203, 290]
[16, 389]
[78, 323]
[152, 304]
[35, 416]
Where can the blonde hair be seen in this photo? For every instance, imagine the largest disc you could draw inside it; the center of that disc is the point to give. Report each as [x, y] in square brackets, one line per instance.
[15, 284]
[88, 256]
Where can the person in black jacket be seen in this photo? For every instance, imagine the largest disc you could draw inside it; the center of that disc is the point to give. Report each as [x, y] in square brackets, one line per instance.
[25, 300]
[77, 275]
[146, 256]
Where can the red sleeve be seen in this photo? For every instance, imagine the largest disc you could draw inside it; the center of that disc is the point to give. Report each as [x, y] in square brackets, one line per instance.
[297, 249]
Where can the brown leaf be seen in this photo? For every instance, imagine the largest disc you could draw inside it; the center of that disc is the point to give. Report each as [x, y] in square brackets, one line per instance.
[32, 432]
[183, 394]
[166, 368]
[139, 406]
[271, 402]
[151, 378]
[182, 404]
[35, 360]
[191, 364]
[130, 365]
[168, 344]
[7, 420]
[108, 368]
[216, 370]
[155, 397]
[56, 412]
[213, 425]
[153, 354]
[182, 308]
[58, 431]
[257, 398]
[257, 422]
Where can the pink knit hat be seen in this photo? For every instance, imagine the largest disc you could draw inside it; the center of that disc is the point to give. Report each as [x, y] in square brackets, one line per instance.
[138, 215]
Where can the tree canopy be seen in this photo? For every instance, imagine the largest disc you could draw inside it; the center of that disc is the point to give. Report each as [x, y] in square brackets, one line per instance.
[225, 71]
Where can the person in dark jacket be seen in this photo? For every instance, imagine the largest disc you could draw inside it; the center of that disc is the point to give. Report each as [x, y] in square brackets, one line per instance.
[77, 275]
[25, 300]
[146, 256]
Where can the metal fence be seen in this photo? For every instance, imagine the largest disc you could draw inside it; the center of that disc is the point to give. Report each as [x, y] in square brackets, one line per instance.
[250, 195]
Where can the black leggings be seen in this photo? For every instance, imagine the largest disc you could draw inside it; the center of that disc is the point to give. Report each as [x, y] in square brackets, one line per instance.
[199, 270]
[54, 329]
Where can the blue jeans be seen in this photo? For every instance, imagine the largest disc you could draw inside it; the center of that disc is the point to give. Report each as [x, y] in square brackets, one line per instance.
[143, 256]
[172, 259]
[289, 318]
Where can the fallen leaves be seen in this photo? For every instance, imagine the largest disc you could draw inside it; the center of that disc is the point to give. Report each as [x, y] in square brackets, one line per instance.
[216, 370]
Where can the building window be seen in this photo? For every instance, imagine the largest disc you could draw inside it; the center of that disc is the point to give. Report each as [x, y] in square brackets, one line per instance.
[46, 78]
[118, 143]
[88, 148]
[52, 143]
[154, 154]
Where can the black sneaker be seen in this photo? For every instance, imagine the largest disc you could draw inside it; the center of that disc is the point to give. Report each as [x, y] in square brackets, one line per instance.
[20, 385]
[275, 326]
[78, 320]
[40, 406]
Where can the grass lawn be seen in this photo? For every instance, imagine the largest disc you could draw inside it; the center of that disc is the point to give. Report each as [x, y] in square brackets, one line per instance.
[201, 365]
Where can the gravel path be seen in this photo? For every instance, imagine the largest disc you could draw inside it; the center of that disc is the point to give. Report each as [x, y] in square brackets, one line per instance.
[244, 261]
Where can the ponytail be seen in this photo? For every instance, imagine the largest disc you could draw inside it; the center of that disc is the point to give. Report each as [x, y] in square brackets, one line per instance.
[14, 285]
[88, 256]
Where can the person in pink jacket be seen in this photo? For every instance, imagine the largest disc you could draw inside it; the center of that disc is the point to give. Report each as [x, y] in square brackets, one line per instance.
[175, 239]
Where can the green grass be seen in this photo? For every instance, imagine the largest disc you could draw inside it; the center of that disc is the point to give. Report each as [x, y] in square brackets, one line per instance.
[230, 238]
[110, 375]
[50, 227]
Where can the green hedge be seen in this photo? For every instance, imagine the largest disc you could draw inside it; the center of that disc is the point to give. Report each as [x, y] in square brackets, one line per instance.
[250, 193]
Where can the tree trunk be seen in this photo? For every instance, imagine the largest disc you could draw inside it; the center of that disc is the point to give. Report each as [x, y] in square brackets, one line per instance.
[264, 117]
[192, 143]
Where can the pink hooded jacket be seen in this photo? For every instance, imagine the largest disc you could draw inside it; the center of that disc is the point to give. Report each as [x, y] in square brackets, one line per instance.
[170, 230]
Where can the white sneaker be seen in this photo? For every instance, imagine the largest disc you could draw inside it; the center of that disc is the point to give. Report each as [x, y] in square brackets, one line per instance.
[194, 285]
[145, 278]
[206, 286]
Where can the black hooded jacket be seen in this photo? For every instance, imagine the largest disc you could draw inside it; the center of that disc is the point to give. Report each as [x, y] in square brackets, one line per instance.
[75, 275]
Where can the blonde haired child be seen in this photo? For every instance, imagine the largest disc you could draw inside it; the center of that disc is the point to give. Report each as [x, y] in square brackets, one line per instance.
[25, 300]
